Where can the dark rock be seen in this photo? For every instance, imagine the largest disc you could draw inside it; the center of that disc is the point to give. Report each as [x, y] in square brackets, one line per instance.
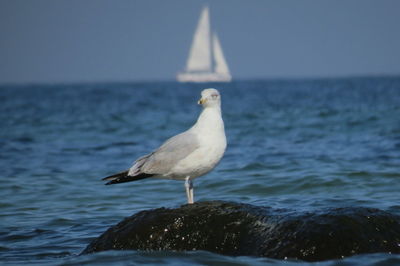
[241, 229]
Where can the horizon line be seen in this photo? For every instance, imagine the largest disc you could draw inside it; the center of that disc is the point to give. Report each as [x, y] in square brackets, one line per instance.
[157, 80]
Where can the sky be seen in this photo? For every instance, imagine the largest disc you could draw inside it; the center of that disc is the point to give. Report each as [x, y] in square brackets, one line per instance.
[61, 41]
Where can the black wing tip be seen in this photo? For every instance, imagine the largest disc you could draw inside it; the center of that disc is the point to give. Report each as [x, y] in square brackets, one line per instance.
[116, 176]
[124, 177]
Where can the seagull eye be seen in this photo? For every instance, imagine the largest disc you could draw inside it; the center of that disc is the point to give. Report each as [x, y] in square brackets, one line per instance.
[214, 96]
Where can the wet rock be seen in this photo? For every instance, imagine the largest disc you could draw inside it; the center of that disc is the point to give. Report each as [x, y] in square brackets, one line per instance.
[240, 229]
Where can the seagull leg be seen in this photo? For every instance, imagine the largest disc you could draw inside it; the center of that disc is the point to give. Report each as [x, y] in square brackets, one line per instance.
[189, 190]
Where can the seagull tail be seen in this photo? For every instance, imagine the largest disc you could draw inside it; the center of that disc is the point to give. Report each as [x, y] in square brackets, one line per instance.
[123, 177]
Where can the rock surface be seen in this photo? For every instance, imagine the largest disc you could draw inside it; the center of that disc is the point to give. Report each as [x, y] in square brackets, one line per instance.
[240, 229]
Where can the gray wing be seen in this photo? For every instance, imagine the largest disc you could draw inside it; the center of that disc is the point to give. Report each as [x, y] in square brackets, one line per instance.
[169, 154]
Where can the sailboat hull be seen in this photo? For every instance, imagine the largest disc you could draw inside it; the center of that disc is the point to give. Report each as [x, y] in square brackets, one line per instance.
[203, 77]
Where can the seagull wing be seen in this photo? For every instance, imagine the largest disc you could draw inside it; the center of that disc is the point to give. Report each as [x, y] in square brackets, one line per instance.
[159, 162]
[170, 153]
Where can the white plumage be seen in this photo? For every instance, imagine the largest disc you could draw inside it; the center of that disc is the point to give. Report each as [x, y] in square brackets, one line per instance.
[188, 155]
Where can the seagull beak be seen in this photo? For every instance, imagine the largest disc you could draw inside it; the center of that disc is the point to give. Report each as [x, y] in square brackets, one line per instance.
[201, 101]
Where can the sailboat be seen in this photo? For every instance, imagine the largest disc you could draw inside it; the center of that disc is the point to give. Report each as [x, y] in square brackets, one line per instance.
[206, 61]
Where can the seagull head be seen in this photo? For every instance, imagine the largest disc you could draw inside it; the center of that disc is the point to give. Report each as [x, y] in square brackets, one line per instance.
[209, 98]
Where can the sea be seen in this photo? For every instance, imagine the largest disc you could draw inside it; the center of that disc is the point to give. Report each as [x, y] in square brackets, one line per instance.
[295, 144]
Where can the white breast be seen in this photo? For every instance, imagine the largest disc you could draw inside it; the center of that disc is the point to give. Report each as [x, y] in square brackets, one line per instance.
[210, 133]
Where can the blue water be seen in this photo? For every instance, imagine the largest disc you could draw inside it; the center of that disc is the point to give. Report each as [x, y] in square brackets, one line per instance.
[300, 144]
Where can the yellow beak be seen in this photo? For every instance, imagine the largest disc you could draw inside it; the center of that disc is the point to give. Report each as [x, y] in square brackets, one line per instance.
[201, 101]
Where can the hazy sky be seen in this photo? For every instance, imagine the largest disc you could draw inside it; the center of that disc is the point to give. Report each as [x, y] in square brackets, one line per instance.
[127, 40]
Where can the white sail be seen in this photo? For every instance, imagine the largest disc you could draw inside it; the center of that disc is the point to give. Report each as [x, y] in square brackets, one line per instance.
[220, 64]
[206, 62]
[200, 52]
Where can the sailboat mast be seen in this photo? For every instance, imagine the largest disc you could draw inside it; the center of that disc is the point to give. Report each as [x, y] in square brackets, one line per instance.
[210, 41]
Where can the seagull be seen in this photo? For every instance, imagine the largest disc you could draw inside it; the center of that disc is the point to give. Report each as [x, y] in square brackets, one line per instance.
[188, 155]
